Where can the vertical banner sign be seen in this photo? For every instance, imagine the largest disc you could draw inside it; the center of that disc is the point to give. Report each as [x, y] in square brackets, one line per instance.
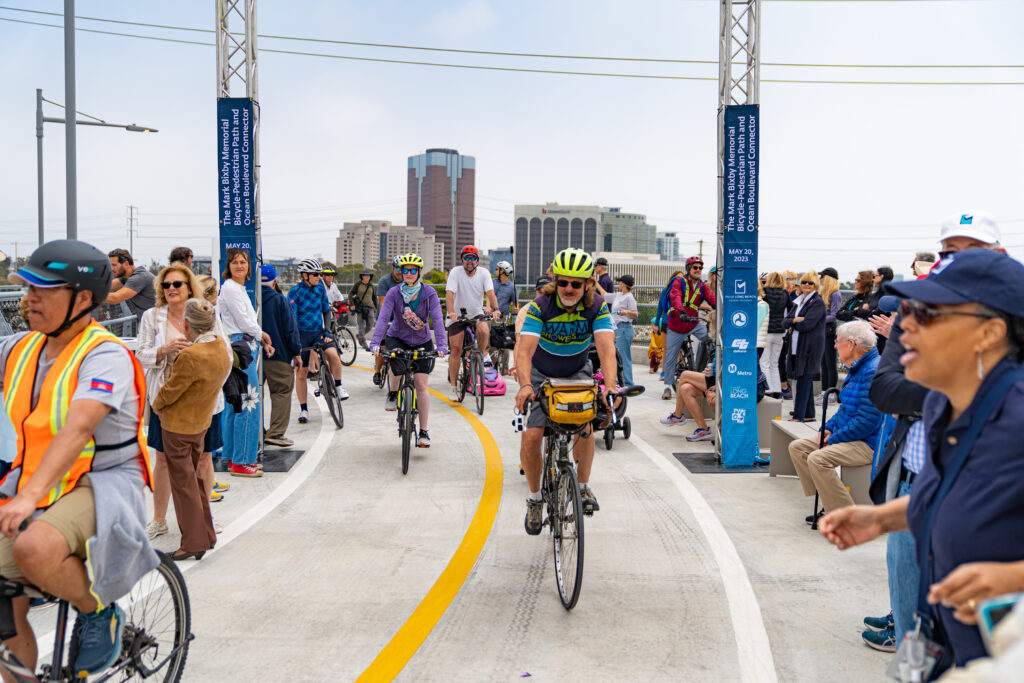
[236, 200]
[739, 287]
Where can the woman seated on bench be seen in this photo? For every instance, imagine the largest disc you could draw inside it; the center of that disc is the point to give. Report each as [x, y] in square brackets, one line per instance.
[691, 386]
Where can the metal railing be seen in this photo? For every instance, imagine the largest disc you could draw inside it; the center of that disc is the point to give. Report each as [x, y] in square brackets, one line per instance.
[115, 317]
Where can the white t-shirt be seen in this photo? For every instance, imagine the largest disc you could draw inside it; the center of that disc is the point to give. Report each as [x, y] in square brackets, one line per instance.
[469, 290]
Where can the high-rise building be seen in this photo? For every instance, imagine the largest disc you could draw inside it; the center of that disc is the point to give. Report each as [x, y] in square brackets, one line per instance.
[627, 232]
[542, 230]
[370, 242]
[668, 246]
[442, 186]
[500, 254]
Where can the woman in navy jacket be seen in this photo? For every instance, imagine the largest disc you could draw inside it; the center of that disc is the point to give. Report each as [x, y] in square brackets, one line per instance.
[806, 322]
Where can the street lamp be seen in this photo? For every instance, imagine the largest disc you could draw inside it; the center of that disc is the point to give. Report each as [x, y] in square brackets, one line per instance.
[40, 119]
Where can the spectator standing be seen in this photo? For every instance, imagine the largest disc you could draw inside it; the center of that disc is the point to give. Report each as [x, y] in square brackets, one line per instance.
[624, 314]
[279, 324]
[806, 322]
[762, 323]
[858, 304]
[364, 294]
[214, 439]
[186, 402]
[833, 302]
[605, 287]
[852, 433]
[132, 284]
[778, 304]
[686, 294]
[791, 278]
[182, 255]
[242, 428]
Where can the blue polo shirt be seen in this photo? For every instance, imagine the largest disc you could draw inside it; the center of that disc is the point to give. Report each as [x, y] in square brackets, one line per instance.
[982, 517]
[565, 336]
[505, 294]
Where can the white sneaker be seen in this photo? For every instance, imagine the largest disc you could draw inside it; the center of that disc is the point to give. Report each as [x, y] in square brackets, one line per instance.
[303, 416]
[342, 394]
[391, 402]
[453, 393]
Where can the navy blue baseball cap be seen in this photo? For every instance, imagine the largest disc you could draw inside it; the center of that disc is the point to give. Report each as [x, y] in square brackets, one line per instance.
[978, 275]
[268, 273]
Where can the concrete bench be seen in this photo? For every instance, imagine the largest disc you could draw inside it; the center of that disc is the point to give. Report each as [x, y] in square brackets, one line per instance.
[858, 481]
[781, 434]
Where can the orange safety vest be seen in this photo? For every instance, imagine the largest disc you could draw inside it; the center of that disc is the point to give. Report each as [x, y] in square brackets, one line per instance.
[36, 427]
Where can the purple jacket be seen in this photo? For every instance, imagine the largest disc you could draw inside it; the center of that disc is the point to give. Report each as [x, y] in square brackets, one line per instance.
[391, 312]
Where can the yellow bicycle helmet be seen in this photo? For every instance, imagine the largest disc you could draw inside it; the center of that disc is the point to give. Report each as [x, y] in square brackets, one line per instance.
[573, 262]
[410, 260]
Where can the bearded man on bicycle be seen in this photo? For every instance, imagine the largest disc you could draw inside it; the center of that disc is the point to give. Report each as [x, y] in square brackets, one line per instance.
[466, 288]
[75, 395]
[554, 344]
[408, 308]
[308, 300]
[685, 295]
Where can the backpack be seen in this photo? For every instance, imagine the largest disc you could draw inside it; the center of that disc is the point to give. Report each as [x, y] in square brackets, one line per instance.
[664, 304]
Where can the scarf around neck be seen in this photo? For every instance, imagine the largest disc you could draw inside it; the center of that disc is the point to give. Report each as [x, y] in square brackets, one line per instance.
[410, 293]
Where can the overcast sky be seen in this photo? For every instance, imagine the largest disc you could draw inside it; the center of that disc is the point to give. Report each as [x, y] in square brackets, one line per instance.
[852, 176]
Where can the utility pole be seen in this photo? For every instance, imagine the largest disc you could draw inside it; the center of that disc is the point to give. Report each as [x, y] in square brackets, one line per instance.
[133, 225]
[700, 249]
[70, 130]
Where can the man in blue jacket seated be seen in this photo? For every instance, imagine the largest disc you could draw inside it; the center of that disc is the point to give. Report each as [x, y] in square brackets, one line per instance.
[852, 433]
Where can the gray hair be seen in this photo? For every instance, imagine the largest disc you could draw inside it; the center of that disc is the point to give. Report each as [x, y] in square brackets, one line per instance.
[200, 315]
[859, 332]
[925, 256]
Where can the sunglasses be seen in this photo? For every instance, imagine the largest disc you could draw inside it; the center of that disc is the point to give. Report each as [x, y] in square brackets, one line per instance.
[924, 314]
[176, 284]
[807, 282]
[696, 267]
[469, 257]
[313, 274]
[572, 284]
[406, 271]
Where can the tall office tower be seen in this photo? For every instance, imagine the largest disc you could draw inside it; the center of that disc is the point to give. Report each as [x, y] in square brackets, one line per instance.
[441, 185]
[668, 246]
[627, 232]
[542, 230]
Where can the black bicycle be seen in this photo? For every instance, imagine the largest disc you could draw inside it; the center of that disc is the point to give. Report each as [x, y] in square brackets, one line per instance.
[407, 411]
[471, 365]
[325, 382]
[155, 635]
[344, 340]
[688, 359]
[560, 488]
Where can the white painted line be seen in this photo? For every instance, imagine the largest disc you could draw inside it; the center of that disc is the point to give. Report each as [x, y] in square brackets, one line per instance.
[298, 475]
[754, 650]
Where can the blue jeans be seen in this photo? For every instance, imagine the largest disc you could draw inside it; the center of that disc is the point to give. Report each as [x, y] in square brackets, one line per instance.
[242, 430]
[904, 577]
[673, 344]
[624, 333]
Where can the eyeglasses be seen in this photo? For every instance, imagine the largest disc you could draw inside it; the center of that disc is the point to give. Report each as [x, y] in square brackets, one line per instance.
[574, 284]
[469, 257]
[924, 314]
[807, 282]
[696, 267]
[176, 284]
[407, 271]
[313, 274]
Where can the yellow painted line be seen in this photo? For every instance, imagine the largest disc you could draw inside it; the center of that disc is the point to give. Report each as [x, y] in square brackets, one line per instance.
[397, 653]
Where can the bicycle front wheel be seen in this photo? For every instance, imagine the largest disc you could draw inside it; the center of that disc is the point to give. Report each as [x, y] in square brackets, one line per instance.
[477, 377]
[462, 381]
[346, 342]
[406, 425]
[157, 628]
[567, 534]
[330, 394]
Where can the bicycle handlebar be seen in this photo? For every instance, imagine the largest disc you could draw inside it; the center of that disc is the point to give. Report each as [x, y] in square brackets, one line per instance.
[411, 354]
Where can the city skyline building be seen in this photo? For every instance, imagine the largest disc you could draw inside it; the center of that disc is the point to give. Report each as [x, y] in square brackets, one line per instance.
[627, 232]
[542, 230]
[668, 246]
[371, 241]
[441, 187]
[648, 270]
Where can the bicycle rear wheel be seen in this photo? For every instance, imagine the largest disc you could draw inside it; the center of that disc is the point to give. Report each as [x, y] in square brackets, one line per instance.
[330, 394]
[346, 342]
[477, 376]
[157, 628]
[462, 381]
[567, 535]
[406, 426]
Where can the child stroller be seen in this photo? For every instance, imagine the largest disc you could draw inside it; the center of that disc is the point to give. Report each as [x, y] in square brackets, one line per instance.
[621, 422]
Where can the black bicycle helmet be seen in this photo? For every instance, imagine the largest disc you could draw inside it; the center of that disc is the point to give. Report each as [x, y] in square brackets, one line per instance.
[68, 262]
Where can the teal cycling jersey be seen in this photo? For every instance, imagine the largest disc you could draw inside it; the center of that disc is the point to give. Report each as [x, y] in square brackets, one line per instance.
[565, 336]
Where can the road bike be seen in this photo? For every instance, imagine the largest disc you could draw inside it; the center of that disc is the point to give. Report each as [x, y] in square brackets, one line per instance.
[345, 341]
[325, 385]
[560, 488]
[155, 634]
[471, 365]
[688, 359]
[407, 411]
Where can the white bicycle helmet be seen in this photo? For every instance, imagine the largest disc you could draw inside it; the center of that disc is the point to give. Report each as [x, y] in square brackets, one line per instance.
[310, 265]
[505, 266]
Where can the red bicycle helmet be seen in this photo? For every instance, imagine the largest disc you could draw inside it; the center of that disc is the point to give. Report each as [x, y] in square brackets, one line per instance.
[694, 259]
[469, 249]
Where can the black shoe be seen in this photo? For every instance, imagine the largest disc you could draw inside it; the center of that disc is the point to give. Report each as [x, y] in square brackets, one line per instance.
[377, 379]
[811, 519]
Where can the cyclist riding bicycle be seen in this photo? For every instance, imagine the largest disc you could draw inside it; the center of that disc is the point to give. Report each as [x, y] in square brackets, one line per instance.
[466, 288]
[685, 296]
[308, 300]
[75, 395]
[407, 309]
[554, 344]
[327, 282]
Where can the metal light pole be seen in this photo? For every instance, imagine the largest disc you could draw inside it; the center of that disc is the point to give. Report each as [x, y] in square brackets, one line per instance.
[72, 229]
[70, 129]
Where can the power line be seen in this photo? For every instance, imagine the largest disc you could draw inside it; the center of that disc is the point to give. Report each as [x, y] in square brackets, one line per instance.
[520, 69]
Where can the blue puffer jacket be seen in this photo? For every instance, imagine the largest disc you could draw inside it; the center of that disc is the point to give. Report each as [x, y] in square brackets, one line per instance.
[857, 419]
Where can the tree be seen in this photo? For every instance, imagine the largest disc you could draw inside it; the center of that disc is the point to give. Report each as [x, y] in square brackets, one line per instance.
[381, 269]
[155, 266]
[349, 273]
[435, 277]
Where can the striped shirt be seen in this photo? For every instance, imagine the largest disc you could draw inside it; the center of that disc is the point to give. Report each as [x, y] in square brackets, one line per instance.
[565, 336]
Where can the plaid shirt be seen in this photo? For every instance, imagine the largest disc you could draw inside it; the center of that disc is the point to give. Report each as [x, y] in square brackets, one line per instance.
[915, 448]
[309, 304]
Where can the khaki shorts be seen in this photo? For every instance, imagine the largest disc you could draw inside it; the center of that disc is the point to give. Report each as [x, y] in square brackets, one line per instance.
[74, 516]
